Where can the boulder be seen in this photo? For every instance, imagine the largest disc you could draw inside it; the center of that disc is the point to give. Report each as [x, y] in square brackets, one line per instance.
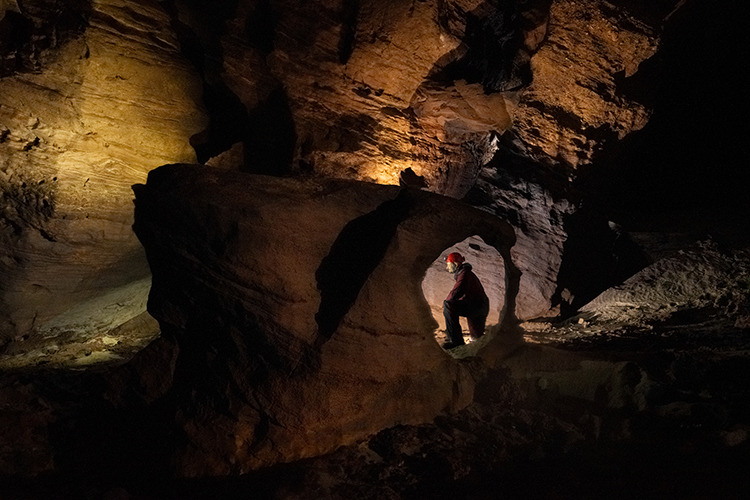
[297, 309]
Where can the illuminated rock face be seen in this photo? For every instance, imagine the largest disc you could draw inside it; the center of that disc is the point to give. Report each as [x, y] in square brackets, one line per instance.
[298, 311]
[501, 106]
[573, 106]
[78, 126]
[96, 94]
[546, 75]
[365, 92]
[431, 86]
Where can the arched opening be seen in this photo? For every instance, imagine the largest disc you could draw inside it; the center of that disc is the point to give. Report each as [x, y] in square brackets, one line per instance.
[487, 264]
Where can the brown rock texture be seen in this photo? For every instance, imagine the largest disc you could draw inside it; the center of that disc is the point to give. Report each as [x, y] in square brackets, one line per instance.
[298, 311]
[86, 113]
[572, 108]
[700, 276]
[367, 91]
[94, 95]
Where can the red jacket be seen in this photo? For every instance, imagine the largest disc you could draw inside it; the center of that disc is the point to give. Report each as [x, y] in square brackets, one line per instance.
[468, 287]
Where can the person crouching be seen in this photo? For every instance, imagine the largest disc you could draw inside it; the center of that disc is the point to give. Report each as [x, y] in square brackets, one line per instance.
[467, 298]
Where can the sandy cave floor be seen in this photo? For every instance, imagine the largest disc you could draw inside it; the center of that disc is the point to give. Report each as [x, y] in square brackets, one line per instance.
[691, 441]
[77, 351]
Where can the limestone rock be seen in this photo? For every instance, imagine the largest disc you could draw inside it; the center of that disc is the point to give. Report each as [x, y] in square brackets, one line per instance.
[698, 277]
[573, 107]
[369, 92]
[93, 99]
[96, 114]
[298, 310]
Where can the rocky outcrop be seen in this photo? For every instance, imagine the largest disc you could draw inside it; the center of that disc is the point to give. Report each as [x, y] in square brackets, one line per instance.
[298, 311]
[87, 108]
[440, 89]
[512, 107]
[573, 107]
[700, 277]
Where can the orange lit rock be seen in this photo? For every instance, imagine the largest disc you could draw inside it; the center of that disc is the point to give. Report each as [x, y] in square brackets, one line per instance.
[572, 107]
[348, 92]
[89, 106]
[372, 92]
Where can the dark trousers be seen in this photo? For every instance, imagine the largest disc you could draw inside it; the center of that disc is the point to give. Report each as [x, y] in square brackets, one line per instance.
[475, 314]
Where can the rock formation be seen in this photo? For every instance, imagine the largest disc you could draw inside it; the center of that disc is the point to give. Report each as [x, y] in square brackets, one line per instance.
[85, 111]
[297, 309]
[580, 131]
[95, 96]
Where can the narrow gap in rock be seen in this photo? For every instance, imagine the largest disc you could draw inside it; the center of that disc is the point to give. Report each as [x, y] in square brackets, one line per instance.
[271, 138]
[227, 114]
[349, 15]
[261, 26]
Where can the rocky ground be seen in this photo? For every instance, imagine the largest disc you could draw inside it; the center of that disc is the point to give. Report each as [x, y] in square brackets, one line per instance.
[686, 438]
[652, 402]
[682, 434]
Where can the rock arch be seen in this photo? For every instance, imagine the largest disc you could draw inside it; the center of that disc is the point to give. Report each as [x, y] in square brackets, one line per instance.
[280, 358]
[488, 266]
[434, 223]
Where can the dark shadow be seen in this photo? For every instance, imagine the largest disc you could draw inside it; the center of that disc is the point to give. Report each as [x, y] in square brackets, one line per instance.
[271, 136]
[595, 257]
[349, 16]
[354, 255]
[15, 34]
[260, 27]
[494, 37]
[27, 37]
[267, 131]
[228, 118]
[685, 168]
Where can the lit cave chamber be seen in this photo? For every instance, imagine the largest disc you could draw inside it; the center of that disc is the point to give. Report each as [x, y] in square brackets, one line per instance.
[223, 230]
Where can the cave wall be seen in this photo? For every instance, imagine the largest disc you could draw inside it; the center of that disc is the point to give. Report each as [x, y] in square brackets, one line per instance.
[500, 104]
[529, 111]
[442, 87]
[85, 112]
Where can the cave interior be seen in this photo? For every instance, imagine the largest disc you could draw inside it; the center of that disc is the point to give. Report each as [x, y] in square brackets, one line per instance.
[224, 228]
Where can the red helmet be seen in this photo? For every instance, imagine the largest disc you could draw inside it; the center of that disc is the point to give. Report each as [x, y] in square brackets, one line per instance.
[455, 257]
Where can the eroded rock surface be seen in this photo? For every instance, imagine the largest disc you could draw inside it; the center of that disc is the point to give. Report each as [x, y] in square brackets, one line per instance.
[439, 88]
[305, 296]
[698, 277]
[113, 100]
[506, 106]
[96, 94]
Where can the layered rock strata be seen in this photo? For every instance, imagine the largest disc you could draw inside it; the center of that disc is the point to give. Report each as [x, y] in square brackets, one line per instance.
[96, 94]
[86, 111]
[368, 91]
